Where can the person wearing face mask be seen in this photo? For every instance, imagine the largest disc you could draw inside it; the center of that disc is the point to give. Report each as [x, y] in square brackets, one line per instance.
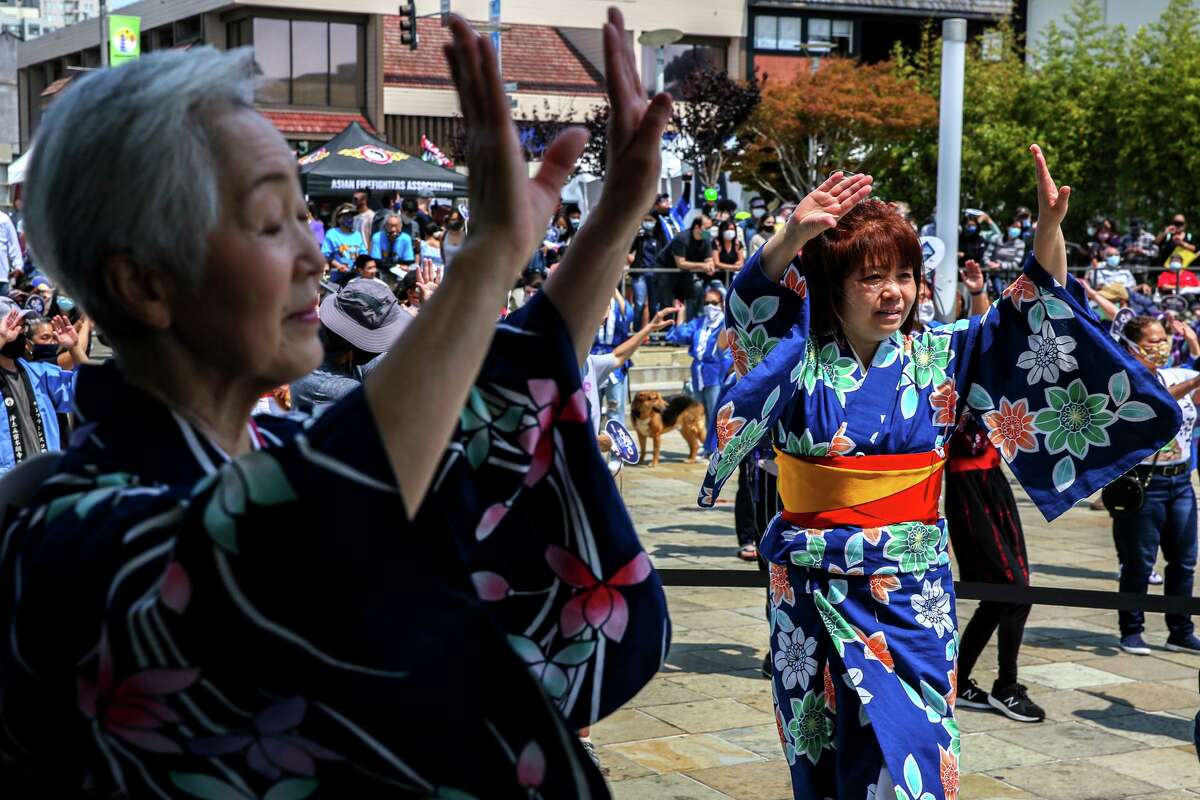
[691, 253]
[558, 236]
[727, 247]
[453, 238]
[392, 246]
[974, 239]
[641, 256]
[1109, 269]
[1177, 279]
[35, 392]
[342, 245]
[764, 231]
[710, 360]
[1167, 517]
[1176, 236]
[1138, 249]
[1004, 256]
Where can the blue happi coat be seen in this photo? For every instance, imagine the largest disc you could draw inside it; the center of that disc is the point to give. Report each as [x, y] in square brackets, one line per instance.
[863, 629]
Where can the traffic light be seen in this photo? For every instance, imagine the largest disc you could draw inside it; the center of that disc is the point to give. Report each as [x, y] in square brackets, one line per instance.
[408, 24]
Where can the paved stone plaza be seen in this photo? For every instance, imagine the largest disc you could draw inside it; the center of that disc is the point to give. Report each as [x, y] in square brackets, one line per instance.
[1118, 726]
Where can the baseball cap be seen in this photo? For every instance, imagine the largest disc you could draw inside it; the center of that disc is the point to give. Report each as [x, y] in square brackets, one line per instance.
[365, 314]
[7, 306]
[344, 208]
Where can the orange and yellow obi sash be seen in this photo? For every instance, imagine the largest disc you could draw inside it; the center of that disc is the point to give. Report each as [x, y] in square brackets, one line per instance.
[862, 491]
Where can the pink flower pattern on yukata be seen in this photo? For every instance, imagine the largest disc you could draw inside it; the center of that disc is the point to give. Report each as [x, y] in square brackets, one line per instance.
[599, 605]
[272, 748]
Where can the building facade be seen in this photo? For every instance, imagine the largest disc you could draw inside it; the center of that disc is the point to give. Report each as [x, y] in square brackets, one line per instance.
[326, 63]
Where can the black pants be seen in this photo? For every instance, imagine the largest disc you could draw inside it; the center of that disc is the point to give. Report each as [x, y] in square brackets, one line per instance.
[989, 543]
[756, 502]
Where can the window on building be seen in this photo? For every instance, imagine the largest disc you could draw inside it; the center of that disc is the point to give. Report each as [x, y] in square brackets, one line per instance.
[681, 60]
[303, 62]
[788, 34]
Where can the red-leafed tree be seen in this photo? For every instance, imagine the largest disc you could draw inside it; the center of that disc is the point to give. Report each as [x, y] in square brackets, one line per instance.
[711, 109]
[843, 116]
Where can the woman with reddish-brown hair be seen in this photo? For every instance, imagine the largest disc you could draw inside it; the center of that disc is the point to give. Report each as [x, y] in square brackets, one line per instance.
[859, 405]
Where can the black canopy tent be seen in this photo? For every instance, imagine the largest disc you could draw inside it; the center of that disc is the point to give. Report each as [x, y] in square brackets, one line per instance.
[354, 160]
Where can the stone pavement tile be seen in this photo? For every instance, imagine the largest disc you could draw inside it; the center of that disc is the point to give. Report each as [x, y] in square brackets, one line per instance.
[663, 787]
[1063, 740]
[760, 739]
[618, 768]
[683, 753]
[760, 781]
[1070, 675]
[1074, 780]
[1144, 695]
[629, 724]
[744, 682]
[977, 720]
[683, 639]
[1165, 767]
[1150, 668]
[1150, 728]
[723, 598]
[1187, 659]
[1188, 684]
[1065, 704]
[662, 691]
[762, 703]
[682, 606]
[707, 715]
[982, 752]
[723, 658]
[756, 613]
[756, 635]
[975, 786]
[707, 620]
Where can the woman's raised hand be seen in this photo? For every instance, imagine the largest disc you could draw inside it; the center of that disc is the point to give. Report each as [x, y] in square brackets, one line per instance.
[508, 208]
[828, 203]
[972, 276]
[1049, 246]
[635, 128]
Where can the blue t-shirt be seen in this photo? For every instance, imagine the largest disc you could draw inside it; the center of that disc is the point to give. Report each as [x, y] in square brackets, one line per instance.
[395, 252]
[342, 247]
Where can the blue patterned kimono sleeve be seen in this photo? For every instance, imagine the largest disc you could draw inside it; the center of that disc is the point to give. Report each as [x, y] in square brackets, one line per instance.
[1068, 408]
[768, 324]
[541, 528]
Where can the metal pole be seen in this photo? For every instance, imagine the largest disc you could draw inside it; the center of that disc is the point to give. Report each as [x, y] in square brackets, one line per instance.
[660, 62]
[954, 50]
[812, 139]
[103, 33]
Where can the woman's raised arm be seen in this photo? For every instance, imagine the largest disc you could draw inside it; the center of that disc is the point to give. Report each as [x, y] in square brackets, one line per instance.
[446, 344]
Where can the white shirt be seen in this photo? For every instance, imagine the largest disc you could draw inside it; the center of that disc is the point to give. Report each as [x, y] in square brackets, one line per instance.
[1179, 449]
[596, 370]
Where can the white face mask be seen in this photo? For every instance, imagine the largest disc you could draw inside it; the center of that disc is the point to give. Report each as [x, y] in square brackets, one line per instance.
[1176, 265]
[925, 312]
[758, 213]
[729, 234]
[713, 314]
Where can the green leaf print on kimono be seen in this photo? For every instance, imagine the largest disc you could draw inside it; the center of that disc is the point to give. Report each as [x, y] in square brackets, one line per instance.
[929, 360]
[738, 448]
[482, 412]
[811, 729]
[751, 348]
[830, 367]
[1075, 419]
[256, 476]
[805, 446]
[913, 786]
[914, 545]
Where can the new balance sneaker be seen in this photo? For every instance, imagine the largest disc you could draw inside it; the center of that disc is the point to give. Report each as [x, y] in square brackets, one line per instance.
[1155, 578]
[1135, 645]
[1184, 644]
[971, 696]
[1014, 703]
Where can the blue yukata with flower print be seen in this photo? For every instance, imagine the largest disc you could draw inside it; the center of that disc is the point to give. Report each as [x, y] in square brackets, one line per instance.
[180, 624]
[863, 628]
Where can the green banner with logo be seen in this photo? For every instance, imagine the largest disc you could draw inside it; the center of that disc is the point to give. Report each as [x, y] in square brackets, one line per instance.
[124, 39]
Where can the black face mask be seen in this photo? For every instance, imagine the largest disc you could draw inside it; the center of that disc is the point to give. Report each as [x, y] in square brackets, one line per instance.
[44, 352]
[14, 349]
[455, 226]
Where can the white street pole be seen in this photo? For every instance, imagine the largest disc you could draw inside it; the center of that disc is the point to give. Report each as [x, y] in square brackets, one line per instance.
[104, 33]
[954, 53]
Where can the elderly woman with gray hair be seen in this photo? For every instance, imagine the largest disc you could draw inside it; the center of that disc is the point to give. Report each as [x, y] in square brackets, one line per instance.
[422, 593]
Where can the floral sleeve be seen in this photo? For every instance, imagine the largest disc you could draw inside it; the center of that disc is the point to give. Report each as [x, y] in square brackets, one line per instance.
[769, 326]
[1067, 407]
[541, 528]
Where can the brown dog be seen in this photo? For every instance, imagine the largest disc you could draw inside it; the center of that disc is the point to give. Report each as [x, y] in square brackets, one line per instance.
[653, 415]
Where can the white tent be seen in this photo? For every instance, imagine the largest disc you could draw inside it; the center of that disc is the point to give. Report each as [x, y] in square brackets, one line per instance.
[16, 170]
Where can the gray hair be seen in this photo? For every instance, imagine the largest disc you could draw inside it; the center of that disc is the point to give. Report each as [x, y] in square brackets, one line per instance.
[392, 215]
[124, 163]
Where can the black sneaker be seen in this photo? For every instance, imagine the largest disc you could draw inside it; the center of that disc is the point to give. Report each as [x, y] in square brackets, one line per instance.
[1014, 703]
[766, 666]
[971, 696]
